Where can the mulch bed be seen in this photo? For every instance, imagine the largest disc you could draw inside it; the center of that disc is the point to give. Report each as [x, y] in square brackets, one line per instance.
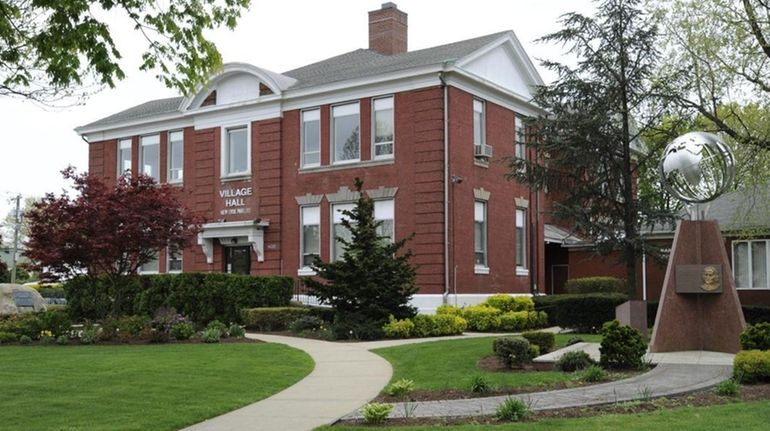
[707, 397]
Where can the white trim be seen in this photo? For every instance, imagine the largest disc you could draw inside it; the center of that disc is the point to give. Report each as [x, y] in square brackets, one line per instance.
[481, 270]
[303, 268]
[239, 113]
[332, 153]
[168, 158]
[522, 272]
[302, 151]
[518, 50]
[141, 165]
[252, 230]
[346, 165]
[373, 128]
[224, 154]
[491, 92]
[180, 253]
[306, 272]
[750, 263]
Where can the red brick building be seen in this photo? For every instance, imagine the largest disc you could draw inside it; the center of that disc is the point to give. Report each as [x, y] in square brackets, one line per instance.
[269, 160]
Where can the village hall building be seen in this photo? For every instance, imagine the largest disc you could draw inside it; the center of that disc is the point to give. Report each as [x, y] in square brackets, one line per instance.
[269, 160]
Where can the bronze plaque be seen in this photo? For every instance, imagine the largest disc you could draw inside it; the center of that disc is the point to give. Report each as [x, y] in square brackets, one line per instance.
[699, 279]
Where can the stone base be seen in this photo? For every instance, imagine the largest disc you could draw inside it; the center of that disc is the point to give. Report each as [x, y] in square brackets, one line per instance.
[634, 314]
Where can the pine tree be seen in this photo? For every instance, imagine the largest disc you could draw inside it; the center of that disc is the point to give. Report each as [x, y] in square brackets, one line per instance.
[372, 279]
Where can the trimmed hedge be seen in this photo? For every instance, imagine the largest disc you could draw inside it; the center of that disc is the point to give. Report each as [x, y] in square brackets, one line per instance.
[596, 285]
[202, 297]
[272, 318]
[752, 366]
[425, 325]
[583, 312]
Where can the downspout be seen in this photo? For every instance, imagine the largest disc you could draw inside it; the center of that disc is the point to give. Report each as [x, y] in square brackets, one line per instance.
[644, 276]
[445, 297]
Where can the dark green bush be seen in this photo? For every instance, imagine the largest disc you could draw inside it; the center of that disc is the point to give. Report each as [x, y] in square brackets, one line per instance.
[271, 318]
[596, 285]
[756, 337]
[124, 328]
[543, 340]
[182, 331]
[622, 346]
[56, 321]
[211, 335]
[8, 337]
[29, 324]
[573, 361]
[355, 326]
[756, 314]
[586, 312]
[512, 351]
[306, 323]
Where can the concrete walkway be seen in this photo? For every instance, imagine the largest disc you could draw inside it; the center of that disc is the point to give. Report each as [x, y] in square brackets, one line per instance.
[345, 377]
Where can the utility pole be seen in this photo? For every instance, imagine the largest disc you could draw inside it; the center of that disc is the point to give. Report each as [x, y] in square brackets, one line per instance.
[17, 225]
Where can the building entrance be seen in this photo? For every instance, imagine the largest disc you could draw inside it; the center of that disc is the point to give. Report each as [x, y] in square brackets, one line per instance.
[238, 260]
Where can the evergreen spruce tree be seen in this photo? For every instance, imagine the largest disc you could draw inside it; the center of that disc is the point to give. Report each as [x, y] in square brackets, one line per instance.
[372, 280]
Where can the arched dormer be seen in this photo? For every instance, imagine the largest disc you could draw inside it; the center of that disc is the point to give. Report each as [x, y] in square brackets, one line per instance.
[235, 83]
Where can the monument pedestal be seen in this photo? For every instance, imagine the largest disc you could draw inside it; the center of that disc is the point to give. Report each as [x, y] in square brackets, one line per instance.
[634, 314]
[697, 311]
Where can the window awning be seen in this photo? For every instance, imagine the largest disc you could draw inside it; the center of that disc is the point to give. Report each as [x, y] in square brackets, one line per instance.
[250, 232]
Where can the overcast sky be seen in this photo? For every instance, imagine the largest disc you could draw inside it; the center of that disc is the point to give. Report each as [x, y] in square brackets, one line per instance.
[275, 35]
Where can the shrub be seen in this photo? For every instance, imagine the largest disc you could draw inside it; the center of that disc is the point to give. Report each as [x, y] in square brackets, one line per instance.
[593, 374]
[211, 335]
[449, 309]
[56, 321]
[512, 409]
[514, 321]
[501, 301]
[153, 335]
[271, 318]
[512, 351]
[219, 326]
[425, 324]
[306, 323]
[544, 340]
[481, 385]
[356, 326]
[376, 413]
[8, 337]
[622, 346]
[28, 324]
[596, 285]
[575, 340]
[125, 328]
[400, 388]
[755, 314]
[182, 331]
[573, 361]
[398, 328]
[482, 317]
[445, 324]
[235, 330]
[585, 313]
[728, 388]
[24, 339]
[752, 366]
[533, 351]
[89, 334]
[756, 337]
[47, 337]
[62, 340]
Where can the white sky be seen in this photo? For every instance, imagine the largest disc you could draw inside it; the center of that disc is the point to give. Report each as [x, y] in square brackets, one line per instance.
[276, 35]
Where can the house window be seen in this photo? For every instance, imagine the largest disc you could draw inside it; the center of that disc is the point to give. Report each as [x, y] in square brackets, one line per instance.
[150, 156]
[175, 157]
[124, 156]
[345, 133]
[383, 127]
[173, 260]
[479, 137]
[311, 138]
[151, 267]
[340, 231]
[310, 242]
[519, 148]
[480, 233]
[235, 154]
[750, 264]
[521, 239]
[384, 211]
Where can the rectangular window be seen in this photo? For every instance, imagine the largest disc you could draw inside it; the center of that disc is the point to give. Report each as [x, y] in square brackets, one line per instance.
[480, 233]
[310, 243]
[173, 260]
[124, 156]
[236, 160]
[479, 137]
[521, 238]
[151, 267]
[150, 156]
[175, 157]
[750, 264]
[345, 133]
[311, 138]
[384, 211]
[383, 127]
[340, 231]
[519, 146]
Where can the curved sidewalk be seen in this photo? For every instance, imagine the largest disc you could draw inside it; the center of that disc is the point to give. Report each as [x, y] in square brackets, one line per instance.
[345, 377]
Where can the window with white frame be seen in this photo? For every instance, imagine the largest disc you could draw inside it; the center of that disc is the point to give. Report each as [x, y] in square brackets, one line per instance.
[519, 138]
[340, 231]
[479, 137]
[173, 260]
[310, 241]
[235, 151]
[521, 238]
[384, 211]
[382, 109]
[311, 137]
[151, 267]
[346, 140]
[175, 156]
[750, 264]
[124, 156]
[480, 233]
[150, 156]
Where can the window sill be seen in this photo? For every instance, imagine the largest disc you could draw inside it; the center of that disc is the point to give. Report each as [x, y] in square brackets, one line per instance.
[482, 270]
[522, 272]
[239, 177]
[306, 272]
[480, 163]
[336, 167]
[751, 289]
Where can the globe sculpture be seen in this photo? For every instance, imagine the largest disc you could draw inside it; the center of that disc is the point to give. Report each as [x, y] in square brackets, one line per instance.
[697, 167]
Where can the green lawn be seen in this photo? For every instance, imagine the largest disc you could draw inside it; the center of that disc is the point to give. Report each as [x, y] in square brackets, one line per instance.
[146, 387]
[742, 416]
[451, 364]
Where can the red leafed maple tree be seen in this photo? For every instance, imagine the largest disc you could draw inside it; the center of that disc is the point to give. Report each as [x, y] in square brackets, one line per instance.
[107, 229]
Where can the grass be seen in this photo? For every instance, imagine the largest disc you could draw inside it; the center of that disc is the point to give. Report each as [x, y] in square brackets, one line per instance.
[143, 387]
[452, 364]
[744, 416]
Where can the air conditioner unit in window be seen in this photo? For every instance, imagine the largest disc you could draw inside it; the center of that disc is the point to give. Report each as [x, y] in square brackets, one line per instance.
[482, 151]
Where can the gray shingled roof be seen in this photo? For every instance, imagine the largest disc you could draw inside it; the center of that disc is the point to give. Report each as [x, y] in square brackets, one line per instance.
[748, 208]
[355, 64]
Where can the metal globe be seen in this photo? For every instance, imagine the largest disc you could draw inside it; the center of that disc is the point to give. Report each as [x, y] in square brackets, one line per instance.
[697, 167]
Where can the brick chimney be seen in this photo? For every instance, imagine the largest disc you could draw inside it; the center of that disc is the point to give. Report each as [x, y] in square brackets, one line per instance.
[387, 30]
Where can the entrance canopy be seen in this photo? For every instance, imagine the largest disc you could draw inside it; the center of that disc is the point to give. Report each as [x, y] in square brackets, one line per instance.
[251, 232]
[557, 235]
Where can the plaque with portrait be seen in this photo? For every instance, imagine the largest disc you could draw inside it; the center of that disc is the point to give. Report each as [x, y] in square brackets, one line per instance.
[699, 279]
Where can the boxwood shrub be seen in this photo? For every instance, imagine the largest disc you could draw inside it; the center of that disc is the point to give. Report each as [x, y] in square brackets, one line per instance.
[582, 312]
[596, 285]
[752, 366]
[272, 318]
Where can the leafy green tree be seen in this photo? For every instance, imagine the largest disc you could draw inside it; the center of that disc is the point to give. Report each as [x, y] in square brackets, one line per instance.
[54, 50]
[589, 149]
[372, 279]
